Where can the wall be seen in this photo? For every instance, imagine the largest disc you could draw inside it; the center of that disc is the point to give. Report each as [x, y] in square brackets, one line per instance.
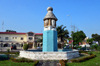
[18, 39]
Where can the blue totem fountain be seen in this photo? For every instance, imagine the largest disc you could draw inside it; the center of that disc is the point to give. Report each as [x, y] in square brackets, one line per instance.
[50, 32]
[50, 47]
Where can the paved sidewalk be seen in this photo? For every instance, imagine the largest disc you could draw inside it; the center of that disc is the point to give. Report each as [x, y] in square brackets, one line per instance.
[48, 63]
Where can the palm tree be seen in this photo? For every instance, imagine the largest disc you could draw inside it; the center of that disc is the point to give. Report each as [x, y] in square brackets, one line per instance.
[62, 32]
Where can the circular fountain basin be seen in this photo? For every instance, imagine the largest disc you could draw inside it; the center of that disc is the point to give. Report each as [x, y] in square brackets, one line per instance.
[39, 55]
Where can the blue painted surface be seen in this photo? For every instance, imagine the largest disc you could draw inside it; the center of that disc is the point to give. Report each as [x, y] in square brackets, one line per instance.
[50, 41]
[59, 50]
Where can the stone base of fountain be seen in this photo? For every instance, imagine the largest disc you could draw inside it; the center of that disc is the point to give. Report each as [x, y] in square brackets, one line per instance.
[49, 55]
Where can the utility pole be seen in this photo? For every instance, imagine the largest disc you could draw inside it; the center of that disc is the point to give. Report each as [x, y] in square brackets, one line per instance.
[72, 29]
[3, 26]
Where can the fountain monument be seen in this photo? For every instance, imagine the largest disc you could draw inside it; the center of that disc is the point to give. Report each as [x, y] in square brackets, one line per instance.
[50, 47]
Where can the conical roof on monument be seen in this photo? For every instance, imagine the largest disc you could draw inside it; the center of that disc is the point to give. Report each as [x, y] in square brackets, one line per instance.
[50, 14]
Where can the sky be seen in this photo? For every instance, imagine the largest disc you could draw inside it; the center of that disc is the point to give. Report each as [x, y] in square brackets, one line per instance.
[27, 15]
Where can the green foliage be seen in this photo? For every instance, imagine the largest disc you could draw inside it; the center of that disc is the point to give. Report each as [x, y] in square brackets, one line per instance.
[96, 37]
[90, 41]
[90, 53]
[83, 58]
[83, 52]
[86, 52]
[8, 50]
[98, 48]
[10, 31]
[92, 62]
[10, 63]
[25, 47]
[70, 47]
[94, 46]
[24, 60]
[78, 36]
[62, 32]
[35, 63]
[21, 60]
[40, 40]
[78, 47]
[63, 62]
[17, 53]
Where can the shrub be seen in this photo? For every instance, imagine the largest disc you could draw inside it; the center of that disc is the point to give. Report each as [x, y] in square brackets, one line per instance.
[90, 53]
[83, 52]
[35, 63]
[98, 48]
[63, 62]
[21, 60]
[24, 60]
[8, 50]
[83, 58]
[9, 53]
[94, 46]
[25, 47]
[78, 47]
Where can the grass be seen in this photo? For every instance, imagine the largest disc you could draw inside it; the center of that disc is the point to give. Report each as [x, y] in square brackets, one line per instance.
[11, 63]
[92, 62]
[17, 53]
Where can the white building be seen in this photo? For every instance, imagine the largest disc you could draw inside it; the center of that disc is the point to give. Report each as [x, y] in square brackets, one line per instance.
[7, 39]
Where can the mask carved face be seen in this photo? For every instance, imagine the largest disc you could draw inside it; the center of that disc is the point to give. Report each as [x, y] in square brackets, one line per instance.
[53, 23]
[46, 22]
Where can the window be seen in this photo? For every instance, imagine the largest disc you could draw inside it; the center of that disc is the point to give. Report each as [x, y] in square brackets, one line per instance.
[15, 37]
[1, 44]
[6, 38]
[30, 38]
[12, 37]
[22, 38]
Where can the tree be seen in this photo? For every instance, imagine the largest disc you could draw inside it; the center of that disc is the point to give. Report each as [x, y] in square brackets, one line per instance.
[40, 40]
[62, 32]
[25, 47]
[90, 41]
[10, 31]
[96, 37]
[78, 36]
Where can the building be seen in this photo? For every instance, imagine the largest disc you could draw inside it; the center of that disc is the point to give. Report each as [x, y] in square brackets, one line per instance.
[7, 39]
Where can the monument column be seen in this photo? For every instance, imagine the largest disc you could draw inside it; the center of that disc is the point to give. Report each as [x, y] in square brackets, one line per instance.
[50, 32]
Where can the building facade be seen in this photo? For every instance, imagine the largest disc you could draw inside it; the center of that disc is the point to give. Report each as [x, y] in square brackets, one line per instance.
[7, 39]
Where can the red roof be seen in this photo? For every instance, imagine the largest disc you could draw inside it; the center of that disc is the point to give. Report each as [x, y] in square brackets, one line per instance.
[18, 33]
[11, 33]
[38, 33]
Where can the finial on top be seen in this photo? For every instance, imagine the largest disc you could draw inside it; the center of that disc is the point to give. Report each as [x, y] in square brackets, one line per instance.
[49, 9]
[50, 14]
